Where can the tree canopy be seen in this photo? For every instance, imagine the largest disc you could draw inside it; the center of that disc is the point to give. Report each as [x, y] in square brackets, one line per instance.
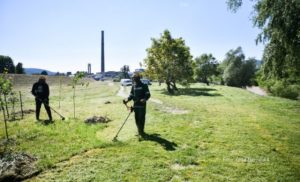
[238, 71]
[169, 60]
[125, 70]
[205, 67]
[279, 21]
[19, 69]
[6, 64]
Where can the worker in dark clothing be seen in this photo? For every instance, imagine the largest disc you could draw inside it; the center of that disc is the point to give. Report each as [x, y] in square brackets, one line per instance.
[139, 94]
[41, 92]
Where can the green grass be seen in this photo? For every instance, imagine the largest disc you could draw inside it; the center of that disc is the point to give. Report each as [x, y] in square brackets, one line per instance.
[227, 134]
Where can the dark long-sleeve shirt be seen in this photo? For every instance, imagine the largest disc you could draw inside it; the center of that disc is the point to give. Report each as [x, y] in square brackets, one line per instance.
[40, 90]
[139, 91]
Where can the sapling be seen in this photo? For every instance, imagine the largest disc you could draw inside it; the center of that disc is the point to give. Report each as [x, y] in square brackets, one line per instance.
[78, 77]
[13, 99]
[5, 88]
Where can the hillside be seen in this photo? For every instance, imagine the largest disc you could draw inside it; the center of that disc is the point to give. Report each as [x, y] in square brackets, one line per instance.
[204, 133]
[31, 71]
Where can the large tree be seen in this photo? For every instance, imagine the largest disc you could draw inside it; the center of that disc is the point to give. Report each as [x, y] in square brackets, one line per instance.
[125, 71]
[205, 67]
[19, 69]
[279, 21]
[238, 72]
[169, 60]
[6, 63]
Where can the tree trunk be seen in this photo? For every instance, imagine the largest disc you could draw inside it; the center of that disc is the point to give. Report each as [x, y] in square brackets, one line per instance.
[6, 107]
[206, 81]
[174, 86]
[170, 90]
[4, 118]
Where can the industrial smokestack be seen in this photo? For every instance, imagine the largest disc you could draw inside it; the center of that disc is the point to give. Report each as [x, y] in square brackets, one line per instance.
[89, 68]
[102, 52]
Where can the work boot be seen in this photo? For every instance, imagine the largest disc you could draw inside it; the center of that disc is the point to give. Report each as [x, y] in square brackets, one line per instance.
[142, 134]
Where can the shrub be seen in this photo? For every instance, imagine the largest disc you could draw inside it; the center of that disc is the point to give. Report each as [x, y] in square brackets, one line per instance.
[283, 89]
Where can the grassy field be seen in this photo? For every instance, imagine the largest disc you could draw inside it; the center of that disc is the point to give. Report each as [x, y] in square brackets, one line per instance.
[203, 133]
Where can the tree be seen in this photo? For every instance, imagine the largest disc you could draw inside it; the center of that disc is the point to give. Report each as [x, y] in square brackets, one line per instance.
[125, 69]
[237, 71]
[19, 69]
[44, 73]
[205, 67]
[5, 88]
[78, 77]
[279, 21]
[6, 63]
[248, 70]
[169, 59]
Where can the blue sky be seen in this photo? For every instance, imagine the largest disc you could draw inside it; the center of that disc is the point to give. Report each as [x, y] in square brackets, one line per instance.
[64, 35]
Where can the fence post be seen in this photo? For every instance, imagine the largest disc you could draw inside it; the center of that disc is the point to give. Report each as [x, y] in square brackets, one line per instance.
[21, 104]
[59, 91]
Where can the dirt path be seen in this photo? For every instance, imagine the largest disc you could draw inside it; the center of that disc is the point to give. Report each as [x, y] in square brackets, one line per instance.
[124, 91]
[257, 90]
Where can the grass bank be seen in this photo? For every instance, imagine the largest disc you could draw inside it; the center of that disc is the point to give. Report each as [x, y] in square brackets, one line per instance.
[225, 134]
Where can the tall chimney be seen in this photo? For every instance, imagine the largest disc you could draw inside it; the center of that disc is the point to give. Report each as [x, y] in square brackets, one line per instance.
[102, 52]
[89, 68]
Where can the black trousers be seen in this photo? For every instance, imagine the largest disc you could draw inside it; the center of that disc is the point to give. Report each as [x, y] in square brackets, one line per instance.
[140, 116]
[38, 104]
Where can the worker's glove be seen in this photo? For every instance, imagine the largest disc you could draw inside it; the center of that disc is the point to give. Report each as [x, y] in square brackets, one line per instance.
[131, 109]
[125, 101]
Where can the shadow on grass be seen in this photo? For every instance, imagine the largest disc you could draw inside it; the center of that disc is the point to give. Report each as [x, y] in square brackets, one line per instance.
[46, 122]
[193, 92]
[170, 146]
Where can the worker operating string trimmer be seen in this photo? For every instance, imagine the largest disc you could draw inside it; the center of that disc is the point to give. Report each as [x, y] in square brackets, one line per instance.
[139, 94]
[41, 92]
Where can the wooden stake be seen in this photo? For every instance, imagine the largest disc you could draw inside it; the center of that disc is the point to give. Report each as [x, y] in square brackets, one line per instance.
[21, 104]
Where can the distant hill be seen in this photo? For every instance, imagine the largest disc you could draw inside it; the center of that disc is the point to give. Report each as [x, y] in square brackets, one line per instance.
[30, 71]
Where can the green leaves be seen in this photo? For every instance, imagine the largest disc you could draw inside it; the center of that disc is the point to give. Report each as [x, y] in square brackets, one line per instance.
[169, 59]
[279, 21]
[75, 81]
[5, 83]
[205, 67]
[234, 5]
[238, 71]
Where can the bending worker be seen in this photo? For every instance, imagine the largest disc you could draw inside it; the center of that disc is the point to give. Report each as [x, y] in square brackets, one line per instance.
[40, 90]
[139, 94]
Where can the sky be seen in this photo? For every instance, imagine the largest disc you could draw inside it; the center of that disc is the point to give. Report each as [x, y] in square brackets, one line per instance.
[65, 35]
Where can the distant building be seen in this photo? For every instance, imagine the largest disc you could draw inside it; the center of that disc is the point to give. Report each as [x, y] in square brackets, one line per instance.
[139, 70]
[106, 75]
